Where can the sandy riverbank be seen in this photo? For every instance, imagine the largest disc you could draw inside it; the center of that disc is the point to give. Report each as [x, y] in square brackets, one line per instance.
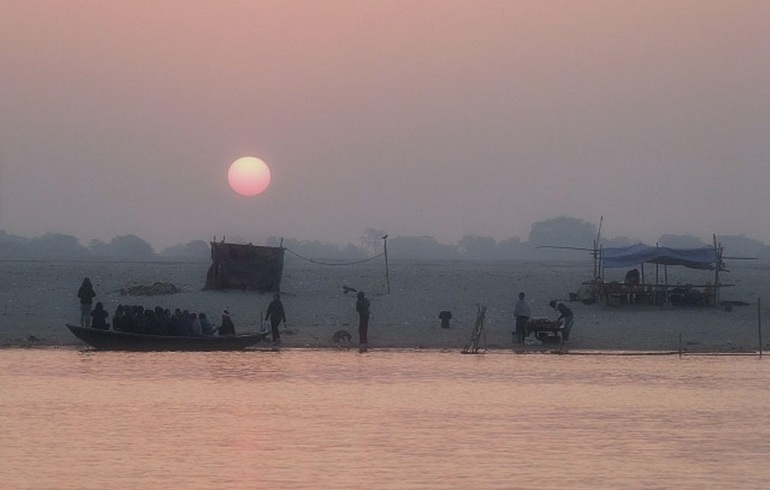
[38, 297]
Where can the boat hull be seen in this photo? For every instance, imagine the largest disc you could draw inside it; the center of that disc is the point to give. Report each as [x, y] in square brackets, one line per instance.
[110, 340]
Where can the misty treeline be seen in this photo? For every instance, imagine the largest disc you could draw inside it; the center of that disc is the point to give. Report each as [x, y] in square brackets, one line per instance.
[62, 246]
[548, 239]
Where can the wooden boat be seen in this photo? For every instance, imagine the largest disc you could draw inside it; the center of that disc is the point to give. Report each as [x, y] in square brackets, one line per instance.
[127, 341]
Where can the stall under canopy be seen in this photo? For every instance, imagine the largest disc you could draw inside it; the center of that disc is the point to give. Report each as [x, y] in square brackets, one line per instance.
[635, 288]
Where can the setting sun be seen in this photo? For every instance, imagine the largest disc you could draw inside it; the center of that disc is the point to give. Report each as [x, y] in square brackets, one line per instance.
[249, 176]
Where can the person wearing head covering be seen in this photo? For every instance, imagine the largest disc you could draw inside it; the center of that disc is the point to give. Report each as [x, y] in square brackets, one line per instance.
[227, 327]
[362, 307]
[86, 295]
[276, 314]
[197, 328]
[565, 317]
[206, 326]
[99, 317]
[185, 323]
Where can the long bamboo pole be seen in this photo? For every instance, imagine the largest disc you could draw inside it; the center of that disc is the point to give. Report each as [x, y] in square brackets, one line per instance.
[657, 279]
[759, 324]
[387, 272]
[718, 254]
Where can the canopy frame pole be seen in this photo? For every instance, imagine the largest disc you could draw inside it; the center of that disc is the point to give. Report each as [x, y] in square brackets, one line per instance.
[387, 271]
[717, 266]
[759, 324]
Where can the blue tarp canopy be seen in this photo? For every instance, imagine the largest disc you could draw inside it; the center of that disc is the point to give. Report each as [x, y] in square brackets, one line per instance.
[694, 258]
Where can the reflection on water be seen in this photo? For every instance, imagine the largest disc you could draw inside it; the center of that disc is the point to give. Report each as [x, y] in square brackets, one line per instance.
[390, 419]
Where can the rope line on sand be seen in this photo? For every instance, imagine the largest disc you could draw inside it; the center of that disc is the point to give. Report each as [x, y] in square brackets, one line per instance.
[337, 263]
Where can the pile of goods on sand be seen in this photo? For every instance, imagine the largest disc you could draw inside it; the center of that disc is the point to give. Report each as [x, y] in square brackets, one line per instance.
[155, 289]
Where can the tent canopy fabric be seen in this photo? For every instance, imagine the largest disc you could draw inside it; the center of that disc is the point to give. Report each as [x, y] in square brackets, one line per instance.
[694, 258]
[236, 266]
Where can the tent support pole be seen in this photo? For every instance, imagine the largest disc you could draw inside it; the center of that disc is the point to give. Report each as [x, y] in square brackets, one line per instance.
[759, 324]
[717, 266]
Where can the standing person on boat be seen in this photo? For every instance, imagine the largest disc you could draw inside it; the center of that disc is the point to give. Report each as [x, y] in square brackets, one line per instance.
[566, 317]
[521, 313]
[86, 295]
[362, 307]
[276, 314]
[227, 327]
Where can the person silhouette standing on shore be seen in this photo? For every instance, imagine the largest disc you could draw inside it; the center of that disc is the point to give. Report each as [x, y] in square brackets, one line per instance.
[276, 314]
[521, 313]
[362, 307]
[86, 295]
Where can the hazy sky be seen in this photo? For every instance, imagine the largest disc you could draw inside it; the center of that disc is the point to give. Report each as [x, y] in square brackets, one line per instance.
[437, 118]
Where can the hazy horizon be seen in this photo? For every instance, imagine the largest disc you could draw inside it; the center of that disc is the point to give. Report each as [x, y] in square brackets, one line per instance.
[437, 118]
[363, 241]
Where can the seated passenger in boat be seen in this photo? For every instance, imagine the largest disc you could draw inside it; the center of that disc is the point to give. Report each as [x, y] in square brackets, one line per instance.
[206, 327]
[99, 317]
[119, 319]
[227, 327]
[195, 325]
[148, 325]
[159, 321]
[135, 319]
[174, 328]
[185, 323]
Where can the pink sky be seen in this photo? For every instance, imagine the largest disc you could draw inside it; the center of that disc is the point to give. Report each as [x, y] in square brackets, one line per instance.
[418, 118]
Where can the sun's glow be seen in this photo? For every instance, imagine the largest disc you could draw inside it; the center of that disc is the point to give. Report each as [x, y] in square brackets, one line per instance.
[249, 176]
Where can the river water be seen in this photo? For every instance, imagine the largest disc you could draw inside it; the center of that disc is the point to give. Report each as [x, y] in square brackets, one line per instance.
[316, 419]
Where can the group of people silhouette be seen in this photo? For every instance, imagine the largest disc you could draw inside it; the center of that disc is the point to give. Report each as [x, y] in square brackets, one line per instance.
[155, 321]
[160, 321]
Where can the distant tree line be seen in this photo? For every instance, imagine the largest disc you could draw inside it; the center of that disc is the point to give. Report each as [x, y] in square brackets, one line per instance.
[126, 247]
[557, 238]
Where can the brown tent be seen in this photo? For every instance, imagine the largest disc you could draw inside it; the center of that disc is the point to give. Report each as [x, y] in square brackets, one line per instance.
[245, 267]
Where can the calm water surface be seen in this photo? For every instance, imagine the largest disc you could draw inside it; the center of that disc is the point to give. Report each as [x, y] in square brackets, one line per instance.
[307, 419]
